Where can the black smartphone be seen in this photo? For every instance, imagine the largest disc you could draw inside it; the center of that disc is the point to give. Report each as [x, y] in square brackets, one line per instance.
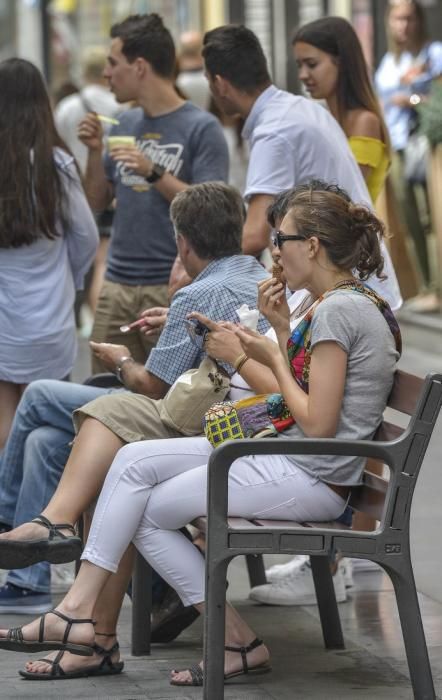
[197, 331]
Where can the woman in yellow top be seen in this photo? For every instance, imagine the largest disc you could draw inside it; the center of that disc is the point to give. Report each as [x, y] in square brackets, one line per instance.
[332, 67]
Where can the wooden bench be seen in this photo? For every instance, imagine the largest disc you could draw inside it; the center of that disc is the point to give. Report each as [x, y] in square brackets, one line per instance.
[402, 450]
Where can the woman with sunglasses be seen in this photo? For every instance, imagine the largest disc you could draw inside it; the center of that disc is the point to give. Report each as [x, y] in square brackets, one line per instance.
[332, 67]
[341, 365]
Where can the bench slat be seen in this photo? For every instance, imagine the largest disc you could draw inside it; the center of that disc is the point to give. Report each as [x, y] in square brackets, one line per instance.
[236, 523]
[388, 432]
[277, 523]
[329, 524]
[405, 392]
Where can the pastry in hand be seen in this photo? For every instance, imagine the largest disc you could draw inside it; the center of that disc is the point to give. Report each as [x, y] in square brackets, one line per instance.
[277, 272]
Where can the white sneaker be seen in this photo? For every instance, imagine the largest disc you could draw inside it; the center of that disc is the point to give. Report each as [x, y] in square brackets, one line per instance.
[364, 566]
[346, 566]
[62, 577]
[297, 589]
[279, 571]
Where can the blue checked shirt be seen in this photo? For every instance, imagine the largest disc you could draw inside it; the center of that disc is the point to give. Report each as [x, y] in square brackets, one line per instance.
[216, 292]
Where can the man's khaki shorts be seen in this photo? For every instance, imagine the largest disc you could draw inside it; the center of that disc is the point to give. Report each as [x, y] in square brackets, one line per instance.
[119, 304]
[132, 417]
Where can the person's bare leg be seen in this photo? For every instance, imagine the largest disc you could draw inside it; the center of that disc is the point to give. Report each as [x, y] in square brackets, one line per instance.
[238, 634]
[9, 399]
[92, 454]
[106, 612]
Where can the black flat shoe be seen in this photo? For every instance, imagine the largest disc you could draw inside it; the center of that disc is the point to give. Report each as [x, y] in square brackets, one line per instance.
[171, 618]
[58, 548]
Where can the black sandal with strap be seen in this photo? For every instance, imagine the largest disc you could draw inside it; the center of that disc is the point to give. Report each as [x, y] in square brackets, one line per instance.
[58, 548]
[14, 640]
[197, 675]
[106, 667]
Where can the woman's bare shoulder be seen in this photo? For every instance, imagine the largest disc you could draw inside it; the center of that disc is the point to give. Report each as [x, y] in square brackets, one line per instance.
[362, 122]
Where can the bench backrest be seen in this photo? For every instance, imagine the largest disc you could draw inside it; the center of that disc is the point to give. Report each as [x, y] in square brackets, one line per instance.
[407, 397]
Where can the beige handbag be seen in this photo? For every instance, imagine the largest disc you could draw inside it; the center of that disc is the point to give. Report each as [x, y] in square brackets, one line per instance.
[192, 394]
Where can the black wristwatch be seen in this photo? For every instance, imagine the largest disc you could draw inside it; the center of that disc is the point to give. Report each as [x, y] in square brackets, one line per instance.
[157, 172]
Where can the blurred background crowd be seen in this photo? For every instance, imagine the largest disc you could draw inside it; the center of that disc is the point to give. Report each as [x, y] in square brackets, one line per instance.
[67, 40]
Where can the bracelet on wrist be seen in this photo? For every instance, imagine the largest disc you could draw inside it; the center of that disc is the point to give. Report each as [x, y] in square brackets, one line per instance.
[240, 362]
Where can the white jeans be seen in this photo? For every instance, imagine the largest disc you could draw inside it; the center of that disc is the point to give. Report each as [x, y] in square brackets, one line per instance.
[155, 487]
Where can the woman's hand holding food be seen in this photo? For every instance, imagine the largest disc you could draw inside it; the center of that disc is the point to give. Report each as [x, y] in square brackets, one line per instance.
[272, 303]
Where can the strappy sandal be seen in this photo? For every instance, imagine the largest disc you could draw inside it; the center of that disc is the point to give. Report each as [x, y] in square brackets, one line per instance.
[197, 675]
[14, 640]
[58, 548]
[106, 667]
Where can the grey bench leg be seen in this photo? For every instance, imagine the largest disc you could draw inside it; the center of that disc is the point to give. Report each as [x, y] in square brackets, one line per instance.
[141, 606]
[256, 570]
[214, 630]
[328, 607]
[413, 634]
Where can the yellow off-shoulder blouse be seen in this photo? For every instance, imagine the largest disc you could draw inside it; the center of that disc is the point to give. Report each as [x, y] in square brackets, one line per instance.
[371, 152]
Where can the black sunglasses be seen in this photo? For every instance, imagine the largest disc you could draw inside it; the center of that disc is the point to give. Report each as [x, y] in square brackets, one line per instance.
[279, 238]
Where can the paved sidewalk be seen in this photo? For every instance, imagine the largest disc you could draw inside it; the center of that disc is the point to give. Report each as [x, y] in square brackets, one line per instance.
[371, 667]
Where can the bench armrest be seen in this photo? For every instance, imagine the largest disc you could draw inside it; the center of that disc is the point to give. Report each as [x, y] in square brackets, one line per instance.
[223, 457]
[105, 380]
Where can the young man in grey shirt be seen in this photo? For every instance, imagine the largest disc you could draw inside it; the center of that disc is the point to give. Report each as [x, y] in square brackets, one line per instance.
[174, 144]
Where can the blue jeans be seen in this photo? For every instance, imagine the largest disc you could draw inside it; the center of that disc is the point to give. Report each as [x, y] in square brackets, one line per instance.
[34, 457]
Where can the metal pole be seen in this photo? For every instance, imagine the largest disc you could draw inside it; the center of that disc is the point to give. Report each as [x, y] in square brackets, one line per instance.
[45, 39]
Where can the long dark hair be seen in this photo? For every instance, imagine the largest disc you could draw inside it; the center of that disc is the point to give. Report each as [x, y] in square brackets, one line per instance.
[31, 188]
[336, 36]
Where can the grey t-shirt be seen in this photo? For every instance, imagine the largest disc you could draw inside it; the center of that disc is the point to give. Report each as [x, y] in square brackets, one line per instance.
[190, 144]
[357, 325]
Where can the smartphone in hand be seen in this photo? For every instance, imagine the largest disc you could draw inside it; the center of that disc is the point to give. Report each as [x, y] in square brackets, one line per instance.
[197, 331]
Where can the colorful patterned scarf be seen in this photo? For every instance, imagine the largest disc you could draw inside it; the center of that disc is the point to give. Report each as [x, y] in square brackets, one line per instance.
[299, 344]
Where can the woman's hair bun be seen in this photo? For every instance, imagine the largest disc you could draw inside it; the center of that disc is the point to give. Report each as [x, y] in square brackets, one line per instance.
[364, 219]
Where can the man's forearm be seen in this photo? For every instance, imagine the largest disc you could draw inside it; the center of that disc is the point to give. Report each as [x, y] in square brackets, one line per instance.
[98, 188]
[137, 379]
[169, 185]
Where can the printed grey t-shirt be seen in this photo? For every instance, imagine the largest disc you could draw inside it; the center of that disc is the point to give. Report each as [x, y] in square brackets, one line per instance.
[357, 325]
[190, 144]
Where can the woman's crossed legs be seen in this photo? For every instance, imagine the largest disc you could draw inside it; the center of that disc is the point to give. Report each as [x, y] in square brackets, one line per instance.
[155, 487]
